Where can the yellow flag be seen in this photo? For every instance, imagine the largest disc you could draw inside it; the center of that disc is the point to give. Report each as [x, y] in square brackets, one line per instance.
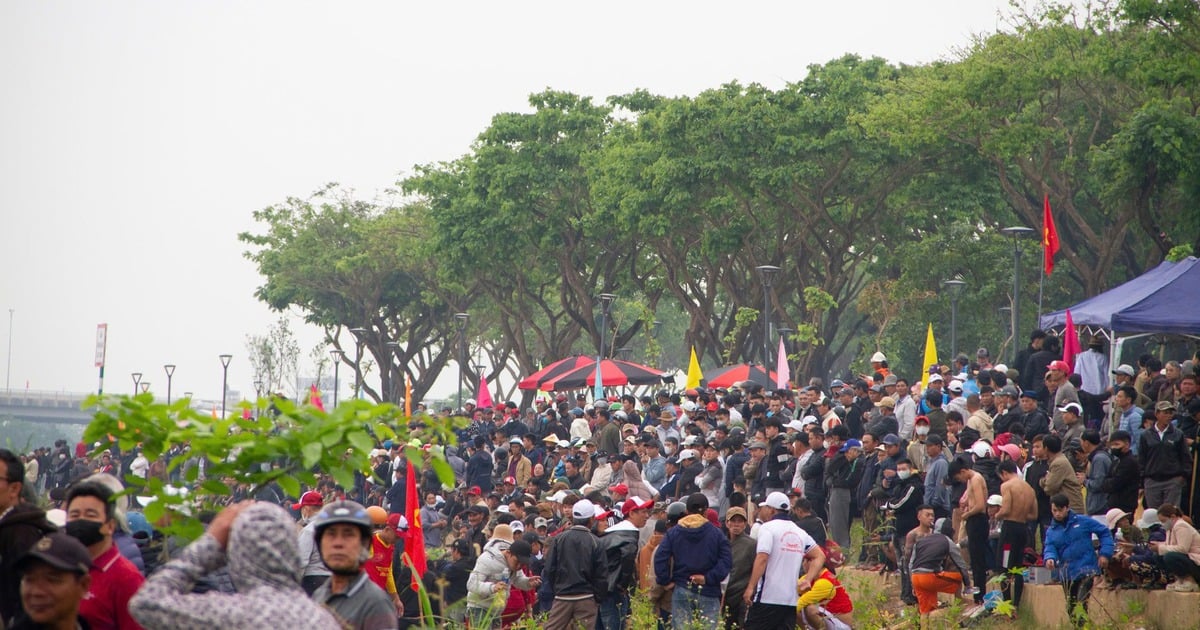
[694, 375]
[930, 357]
[407, 397]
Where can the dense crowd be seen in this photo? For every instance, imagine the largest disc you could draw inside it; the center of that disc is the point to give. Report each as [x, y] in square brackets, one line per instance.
[728, 507]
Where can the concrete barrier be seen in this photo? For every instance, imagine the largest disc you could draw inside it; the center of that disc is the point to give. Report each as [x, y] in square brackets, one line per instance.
[1047, 606]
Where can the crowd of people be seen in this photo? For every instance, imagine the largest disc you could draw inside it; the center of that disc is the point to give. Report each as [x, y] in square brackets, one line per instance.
[719, 507]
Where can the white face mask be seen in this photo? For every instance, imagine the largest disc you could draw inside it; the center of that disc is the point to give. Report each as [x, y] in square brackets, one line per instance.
[903, 474]
[922, 430]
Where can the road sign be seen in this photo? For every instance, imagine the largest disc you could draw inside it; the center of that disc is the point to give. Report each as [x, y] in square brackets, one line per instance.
[101, 343]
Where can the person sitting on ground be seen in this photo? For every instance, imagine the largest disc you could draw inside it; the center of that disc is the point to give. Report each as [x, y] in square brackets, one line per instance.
[1180, 553]
[826, 605]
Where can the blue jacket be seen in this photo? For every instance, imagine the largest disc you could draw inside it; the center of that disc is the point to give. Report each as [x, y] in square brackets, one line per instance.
[693, 547]
[1069, 545]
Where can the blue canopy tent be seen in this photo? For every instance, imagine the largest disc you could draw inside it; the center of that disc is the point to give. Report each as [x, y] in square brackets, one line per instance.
[1164, 300]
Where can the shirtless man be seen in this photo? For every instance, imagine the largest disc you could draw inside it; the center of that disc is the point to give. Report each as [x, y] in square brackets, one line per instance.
[1018, 507]
[974, 515]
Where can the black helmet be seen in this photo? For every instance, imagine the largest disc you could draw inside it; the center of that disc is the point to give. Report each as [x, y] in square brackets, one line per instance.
[347, 512]
[676, 511]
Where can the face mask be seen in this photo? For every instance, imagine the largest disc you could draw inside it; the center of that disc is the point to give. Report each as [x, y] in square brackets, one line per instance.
[1116, 452]
[922, 430]
[903, 474]
[86, 532]
[668, 450]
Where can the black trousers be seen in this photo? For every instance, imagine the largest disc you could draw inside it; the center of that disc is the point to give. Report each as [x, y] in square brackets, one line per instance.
[1078, 592]
[771, 617]
[1014, 537]
[977, 549]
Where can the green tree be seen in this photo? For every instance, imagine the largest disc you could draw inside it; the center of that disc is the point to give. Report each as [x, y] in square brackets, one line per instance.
[274, 357]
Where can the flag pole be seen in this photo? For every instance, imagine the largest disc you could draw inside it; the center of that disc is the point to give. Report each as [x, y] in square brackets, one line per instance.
[1041, 289]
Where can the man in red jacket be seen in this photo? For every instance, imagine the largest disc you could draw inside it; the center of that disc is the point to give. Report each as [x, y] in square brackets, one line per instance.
[115, 580]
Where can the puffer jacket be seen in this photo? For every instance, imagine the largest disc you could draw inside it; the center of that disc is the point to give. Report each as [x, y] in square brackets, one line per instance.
[491, 568]
[1069, 545]
[619, 548]
[694, 546]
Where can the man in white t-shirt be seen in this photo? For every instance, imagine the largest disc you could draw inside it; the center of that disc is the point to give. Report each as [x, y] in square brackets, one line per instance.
[781, 550]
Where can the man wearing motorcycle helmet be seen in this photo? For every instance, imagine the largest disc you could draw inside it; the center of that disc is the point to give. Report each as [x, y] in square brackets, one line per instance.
[343, 531]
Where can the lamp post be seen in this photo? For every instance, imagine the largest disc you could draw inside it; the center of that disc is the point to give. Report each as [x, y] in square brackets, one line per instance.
[954, 287]
[8, 371]
[225, 359]
[394, 346]
[170, 370]
[137, 378]
[478, 369]
[337, 356]
[624, 352]
[358, 332]
[606, 300]
[1016, 232]
[258, 386]
[767, 274]
[461, 320]
[145, 386]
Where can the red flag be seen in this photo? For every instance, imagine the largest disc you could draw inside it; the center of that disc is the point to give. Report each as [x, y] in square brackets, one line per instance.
[314, 398]
[414, 542]
[1070, 342]
[1049, 237]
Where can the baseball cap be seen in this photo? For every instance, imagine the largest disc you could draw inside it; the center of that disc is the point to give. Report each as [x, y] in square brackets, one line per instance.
[777, 500]
[935, 440]
[995, 499]
[1013, 452]
[936, 378]
[1125, 369]
[758, 444]
[60, 551]
[636, 503]
[687, 453]
[1059, 365]
[522, 550]
[878, 357]
[540, 522]
[735, 511]
[955, 386]
[887, 401]
[890, 379]
[474, 491]
[583, 509]
[1163, 405]
[309, 498]
[795, 425]
[619, 489]
[510, 480]
[891, 439]
[1073, 407]
[851, 443]
[398, 523]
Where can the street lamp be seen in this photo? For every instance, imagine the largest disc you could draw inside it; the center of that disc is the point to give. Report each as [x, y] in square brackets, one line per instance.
[225, 359]
[479, 372]
[170, 370]
[461, 320]
[624, 352]
[145, 386]
[258, 385]
[1016, 232]
[767, 273]
[137, 378]
[954, 287]
[395, 348]
[338, 356]
[606, 300]
[358, 344]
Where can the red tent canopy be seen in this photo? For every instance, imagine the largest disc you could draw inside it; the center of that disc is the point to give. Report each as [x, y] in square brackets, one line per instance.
[554, 370]
[613, 372]
[727, 376]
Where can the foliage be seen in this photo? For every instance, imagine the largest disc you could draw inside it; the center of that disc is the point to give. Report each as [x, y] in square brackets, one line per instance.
[280, 443]
[274, 357]
[744, 318]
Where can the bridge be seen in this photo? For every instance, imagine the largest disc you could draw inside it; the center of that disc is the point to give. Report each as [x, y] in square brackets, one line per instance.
[51, 407]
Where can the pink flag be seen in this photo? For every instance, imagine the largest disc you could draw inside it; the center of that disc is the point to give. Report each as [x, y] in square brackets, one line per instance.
[314, 397]
[1070, 342]
[483, 399]
[782, 371]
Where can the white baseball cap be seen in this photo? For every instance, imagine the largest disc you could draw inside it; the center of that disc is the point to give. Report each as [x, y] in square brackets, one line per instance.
[956, 385]
[878, 357]
[687, 453]
[995, 500]
[777, 500]
[583, 509]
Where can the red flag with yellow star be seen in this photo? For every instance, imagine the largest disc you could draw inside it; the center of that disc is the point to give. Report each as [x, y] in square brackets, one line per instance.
[1049, 236]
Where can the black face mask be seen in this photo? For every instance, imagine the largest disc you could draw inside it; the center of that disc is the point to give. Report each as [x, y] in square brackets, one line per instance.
[1116, 452]
[86, 532]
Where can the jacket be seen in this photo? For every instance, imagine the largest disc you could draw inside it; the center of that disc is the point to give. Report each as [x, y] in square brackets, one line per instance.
[22, 527]
[574, 565]
[906, 495]
[1069, 545]
[479, 471]
[491, 568]
[932, 552]
[1165, 457]
[743, 551]
[691, 547]
[619, 548]
[842, 473]
[1182, 538]
[1097, 473]
[265, 567]
[813, 472]
[1060, 478]
[1123, 482]
[655, 472]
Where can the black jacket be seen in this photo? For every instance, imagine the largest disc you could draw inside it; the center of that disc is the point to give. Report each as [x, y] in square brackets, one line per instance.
[1124, 480]
[842, 473]
[1162, 459]
[574, 564]
[19, 530]
[813, 472]
[479, 471]
[907, 494]
[1036, 423]
[619, 548]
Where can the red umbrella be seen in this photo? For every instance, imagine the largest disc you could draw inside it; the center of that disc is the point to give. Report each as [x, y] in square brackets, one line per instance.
[727, 376]
[554, 370]
[613, 372]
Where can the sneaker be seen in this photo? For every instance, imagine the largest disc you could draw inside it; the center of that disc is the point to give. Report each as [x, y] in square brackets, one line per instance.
[1183, 586]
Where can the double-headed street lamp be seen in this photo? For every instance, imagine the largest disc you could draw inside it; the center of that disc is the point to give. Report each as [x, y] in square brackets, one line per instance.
[170, 370]
[225, 359]
[954, 287]
[767, 273]
[1016, 232]
[461, 320]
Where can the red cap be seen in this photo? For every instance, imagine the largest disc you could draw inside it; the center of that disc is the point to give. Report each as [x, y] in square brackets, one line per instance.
[619, 489]
[712, 406]
[633, 503]
[309, 498]
[510, 479]
[398, 523]
[1061, 366]
[475, 491]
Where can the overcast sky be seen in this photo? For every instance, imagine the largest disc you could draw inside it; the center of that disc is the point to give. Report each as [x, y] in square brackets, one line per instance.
[136, 138]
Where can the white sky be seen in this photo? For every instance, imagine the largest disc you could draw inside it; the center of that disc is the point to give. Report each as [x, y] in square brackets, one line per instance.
[136, 138]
